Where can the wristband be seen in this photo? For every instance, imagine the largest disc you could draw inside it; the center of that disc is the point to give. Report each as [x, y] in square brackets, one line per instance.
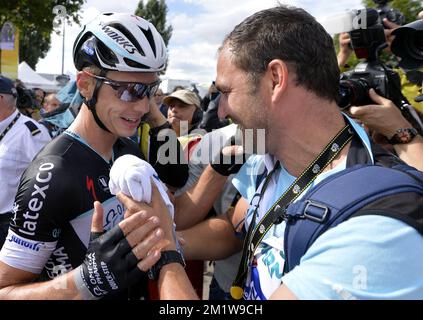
[403, 136]
[81, 286]
[166, 257]
[227, 165]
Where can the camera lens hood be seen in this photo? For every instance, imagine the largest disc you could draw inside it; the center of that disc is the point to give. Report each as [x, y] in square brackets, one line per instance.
[408, 45]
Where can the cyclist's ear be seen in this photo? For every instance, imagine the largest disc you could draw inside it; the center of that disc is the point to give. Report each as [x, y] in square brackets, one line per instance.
[85, 84]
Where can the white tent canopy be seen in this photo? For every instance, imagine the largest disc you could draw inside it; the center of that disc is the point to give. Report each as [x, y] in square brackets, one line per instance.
[31, 79]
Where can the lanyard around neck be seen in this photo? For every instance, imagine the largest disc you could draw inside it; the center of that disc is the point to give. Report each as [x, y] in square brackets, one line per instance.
[276, 212]
[9, 126]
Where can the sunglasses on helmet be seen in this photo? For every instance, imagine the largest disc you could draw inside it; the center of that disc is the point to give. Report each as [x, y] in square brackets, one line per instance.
[129, 91]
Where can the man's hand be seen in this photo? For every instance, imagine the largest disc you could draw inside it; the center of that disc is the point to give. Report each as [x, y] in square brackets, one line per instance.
[155, 118]
[229, 160]
[345, 49]
[383, 117]
[157, 209]
[117, 258]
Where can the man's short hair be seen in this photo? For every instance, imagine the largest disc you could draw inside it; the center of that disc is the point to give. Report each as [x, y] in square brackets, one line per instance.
[292, 35]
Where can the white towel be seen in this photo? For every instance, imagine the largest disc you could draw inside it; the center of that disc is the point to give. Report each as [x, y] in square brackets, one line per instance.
[132, 176]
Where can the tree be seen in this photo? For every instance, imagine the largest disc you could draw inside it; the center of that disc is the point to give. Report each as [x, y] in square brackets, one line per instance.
[155, 11]
[34, 19]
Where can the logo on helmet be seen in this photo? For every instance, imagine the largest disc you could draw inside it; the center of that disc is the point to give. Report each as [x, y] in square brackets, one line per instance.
[88, 48]
[119, 39]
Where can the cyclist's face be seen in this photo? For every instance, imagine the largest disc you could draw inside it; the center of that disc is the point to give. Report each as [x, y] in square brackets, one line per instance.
[119, 116]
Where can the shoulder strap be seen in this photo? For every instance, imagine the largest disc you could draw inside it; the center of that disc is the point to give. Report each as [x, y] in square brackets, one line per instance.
[32, 128]
[260, 178]
[343, 195]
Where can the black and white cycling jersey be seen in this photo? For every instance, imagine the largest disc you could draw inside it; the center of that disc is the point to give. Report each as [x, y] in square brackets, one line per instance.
[50, 231]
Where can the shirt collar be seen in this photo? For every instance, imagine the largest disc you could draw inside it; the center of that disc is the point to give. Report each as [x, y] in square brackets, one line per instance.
[360, 150]
[4, 123]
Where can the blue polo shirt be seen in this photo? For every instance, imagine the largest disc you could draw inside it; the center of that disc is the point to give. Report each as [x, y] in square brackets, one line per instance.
[366, 257]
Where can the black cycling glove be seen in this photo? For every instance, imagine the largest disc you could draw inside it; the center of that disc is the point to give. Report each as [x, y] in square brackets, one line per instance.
[228, 164]
[109, 265]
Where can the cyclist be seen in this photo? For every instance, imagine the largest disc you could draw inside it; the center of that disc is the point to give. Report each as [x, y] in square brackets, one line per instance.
[118, 57]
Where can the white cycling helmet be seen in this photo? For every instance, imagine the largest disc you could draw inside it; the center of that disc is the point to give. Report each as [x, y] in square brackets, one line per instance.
[121, 42]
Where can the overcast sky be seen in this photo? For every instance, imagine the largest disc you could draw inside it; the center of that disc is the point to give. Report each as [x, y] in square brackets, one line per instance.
[199, 27]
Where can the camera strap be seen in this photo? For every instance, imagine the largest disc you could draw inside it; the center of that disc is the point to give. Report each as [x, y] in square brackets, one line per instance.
[277, 212]
[9, 126]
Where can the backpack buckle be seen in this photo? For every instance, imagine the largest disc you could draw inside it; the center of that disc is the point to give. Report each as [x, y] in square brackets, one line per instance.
[315, 212]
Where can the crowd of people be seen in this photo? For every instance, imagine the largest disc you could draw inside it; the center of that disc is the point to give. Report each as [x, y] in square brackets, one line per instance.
[121, 191]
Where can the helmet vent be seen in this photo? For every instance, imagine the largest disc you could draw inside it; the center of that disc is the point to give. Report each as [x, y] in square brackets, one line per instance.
[135, 64]
[128, 35]
[106, 54]
[149, 35]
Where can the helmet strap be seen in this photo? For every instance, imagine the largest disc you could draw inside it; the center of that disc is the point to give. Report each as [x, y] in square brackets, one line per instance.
[91, 106]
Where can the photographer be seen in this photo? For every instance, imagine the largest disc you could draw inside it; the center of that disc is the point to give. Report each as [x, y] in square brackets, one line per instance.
[20, 140]
[27, 102]
[387, 124]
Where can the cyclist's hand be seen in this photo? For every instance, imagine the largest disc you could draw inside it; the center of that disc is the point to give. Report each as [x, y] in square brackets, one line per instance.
[117, 258]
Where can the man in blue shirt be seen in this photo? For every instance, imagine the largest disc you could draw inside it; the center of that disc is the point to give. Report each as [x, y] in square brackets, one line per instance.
[277, 71]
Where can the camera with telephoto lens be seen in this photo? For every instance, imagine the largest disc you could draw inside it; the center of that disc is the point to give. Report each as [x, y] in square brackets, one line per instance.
[408, 45]
[368, 42]
[26, 98]
[389, 13]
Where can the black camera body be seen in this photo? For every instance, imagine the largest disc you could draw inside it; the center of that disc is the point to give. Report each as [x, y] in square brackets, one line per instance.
[367, 43]
[389, 13]
[354, 89]
[355, 84]
[368, 40]
[26, 98]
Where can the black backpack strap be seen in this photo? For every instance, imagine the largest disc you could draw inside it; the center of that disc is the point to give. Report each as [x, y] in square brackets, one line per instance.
[355, 191]
[32, 128]
[406, 207]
